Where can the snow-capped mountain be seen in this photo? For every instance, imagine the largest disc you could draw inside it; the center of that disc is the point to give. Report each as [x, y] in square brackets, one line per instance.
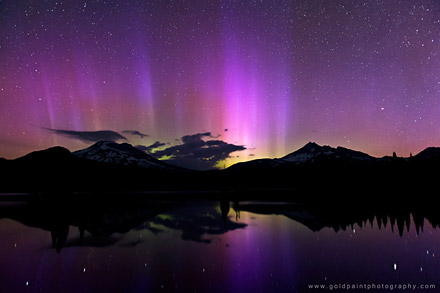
[312, 150]
[124, 154]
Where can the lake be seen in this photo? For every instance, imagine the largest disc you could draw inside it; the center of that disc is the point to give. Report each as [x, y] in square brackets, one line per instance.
[211, 246]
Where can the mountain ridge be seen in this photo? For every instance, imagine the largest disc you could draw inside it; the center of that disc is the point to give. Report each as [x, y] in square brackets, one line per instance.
[311, 150]
[108, 166]
[124, 154]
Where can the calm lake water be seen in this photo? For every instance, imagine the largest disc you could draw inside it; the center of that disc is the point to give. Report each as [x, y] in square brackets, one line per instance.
[198, 246]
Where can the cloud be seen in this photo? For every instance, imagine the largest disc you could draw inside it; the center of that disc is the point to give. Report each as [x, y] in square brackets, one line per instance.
[196, 153]
[151, 147]
[89, 136]
[135, 132]
[157, 144]
[195, 138]
[199, 225]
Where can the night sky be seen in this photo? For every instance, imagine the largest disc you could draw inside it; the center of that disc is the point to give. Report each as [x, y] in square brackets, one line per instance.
[268, 76]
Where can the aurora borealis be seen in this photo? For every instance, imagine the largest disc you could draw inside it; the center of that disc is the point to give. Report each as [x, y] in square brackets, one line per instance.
[266, 75]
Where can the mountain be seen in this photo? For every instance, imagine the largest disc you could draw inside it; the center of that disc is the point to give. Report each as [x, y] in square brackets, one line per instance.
[312, 151]
[56, 155]
[428, 153]
[109, 166]
[105, 166]
[122, 154]
[257, 164]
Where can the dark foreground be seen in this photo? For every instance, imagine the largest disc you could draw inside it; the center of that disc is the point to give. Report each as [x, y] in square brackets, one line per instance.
[79, 243]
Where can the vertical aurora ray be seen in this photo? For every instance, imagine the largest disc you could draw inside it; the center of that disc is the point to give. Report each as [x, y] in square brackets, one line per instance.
[282, 113]
[240, 92]
[146, 109]
[257, 92]
[85, 81]
[138, 49]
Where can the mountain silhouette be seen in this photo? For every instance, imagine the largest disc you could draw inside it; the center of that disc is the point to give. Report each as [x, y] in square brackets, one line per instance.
[54, 154]
[109, 166]
[105, 166]
[124, 154]
[428, 154]
[312, 151]
[317, 171]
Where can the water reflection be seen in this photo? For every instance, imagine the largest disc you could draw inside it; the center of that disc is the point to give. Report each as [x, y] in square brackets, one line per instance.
[341, 217]
[102, 219]
[106, 221]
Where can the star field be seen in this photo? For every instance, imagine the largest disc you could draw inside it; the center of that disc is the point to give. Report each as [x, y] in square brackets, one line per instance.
[275, 74]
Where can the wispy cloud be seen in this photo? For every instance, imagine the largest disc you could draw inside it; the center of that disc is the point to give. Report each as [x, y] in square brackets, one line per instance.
[89, 136]
[135, 132]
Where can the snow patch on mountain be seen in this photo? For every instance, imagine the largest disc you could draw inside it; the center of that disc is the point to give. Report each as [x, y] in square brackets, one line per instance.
[124, 154]
[312, 150]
